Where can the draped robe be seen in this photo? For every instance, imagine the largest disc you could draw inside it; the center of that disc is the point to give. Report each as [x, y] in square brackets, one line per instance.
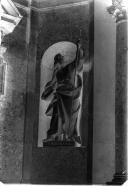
[65, 86]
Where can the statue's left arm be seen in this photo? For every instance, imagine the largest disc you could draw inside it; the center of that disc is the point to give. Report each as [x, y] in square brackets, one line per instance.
[79, 57]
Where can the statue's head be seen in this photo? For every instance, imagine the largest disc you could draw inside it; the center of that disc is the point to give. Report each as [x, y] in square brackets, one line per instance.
[58, 58]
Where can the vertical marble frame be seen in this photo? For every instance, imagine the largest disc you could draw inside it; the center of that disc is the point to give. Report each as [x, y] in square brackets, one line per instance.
[2, 77]
[13, 103]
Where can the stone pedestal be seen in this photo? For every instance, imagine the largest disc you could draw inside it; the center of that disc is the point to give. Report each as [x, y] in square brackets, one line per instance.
[59, 165]
[58, 143]
[118, 179]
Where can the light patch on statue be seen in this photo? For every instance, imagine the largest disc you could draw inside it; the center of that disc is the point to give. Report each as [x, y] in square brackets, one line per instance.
[87, 66]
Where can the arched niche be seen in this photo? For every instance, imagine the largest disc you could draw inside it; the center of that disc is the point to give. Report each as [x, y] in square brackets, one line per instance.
[68, 50]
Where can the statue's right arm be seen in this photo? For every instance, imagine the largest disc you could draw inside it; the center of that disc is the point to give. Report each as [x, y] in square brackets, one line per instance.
[49, 88]
[47, 91]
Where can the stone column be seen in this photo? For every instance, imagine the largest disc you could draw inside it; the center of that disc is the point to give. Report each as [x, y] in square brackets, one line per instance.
[121, 100]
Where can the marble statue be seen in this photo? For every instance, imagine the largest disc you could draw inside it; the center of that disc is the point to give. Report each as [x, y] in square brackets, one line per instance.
[65, 86]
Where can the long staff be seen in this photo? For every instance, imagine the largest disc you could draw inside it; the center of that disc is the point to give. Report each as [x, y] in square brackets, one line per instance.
[76, 62]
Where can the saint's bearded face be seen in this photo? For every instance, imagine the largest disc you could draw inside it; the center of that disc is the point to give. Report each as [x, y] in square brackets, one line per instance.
[58, 59]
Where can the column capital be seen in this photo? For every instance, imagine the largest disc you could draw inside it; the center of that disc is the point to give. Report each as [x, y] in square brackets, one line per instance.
[118, 10]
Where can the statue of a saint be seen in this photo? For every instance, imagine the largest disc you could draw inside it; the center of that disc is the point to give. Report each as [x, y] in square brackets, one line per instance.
[65, 86]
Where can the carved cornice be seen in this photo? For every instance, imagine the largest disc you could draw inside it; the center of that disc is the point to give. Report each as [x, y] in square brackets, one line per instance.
[9, 18]
[39, 6]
